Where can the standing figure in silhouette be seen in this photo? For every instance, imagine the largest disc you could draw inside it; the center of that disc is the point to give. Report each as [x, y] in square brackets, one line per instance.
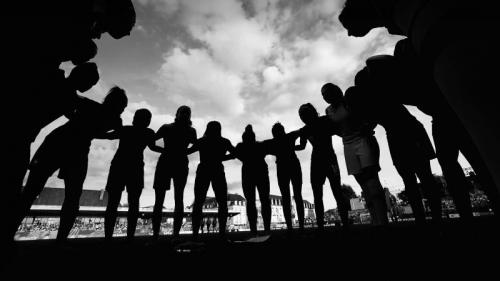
[456, 40]
[127, 170]
[361, 151]
[254, 174]
[318, 130]
[66, 148]
[409, 145]
[213, 149]
[288, 170]
[55, 28]
[62, 102]
[173, 166]
[417, 87]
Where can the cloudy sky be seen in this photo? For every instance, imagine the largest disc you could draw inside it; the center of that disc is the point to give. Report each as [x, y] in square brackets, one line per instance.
[239, 62]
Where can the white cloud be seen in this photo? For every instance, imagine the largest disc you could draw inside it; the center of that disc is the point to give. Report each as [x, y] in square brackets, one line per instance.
[249, 62]
[194, 78]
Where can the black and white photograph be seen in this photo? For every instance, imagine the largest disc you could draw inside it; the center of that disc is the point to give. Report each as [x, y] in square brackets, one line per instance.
[250, 139]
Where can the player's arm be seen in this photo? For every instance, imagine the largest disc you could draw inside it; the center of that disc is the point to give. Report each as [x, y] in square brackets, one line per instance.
[158, 135]
[152, 143]
[195, 147]
[111, 135]
[268, 147]
[79, 103]
[113, 132]
[233, 153]
[193, 139]
[303, 139]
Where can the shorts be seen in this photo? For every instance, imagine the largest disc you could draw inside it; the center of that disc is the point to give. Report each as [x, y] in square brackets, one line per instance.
[55, 153]
[360, 154]
[129, 176]
[168, 170]
[322, 168]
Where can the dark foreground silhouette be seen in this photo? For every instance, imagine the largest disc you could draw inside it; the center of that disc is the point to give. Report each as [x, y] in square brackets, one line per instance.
[358, 254]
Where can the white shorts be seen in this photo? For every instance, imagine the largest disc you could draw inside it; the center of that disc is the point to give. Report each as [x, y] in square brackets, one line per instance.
[360, 154]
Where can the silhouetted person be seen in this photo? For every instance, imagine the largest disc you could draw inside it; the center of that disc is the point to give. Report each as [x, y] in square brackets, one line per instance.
[35, 109]
[288, 170]
[61, 31]
[173, 166]
[127, 170]
[318, 130]
[66, 148]
[254, 174]
[65, 98]
[405, 80]
[418, 88]
[455, 40]
[213, 149]
[361, 151]
[62, 102]
[409, 145]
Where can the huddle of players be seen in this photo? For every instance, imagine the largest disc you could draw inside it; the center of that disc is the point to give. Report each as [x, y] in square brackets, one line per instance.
[67, 148]
[352, 116]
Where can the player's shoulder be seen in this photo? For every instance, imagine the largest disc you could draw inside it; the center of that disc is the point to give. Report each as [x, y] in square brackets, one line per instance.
[165, 127]
[192, 130]
[149, 131]
[226, 141]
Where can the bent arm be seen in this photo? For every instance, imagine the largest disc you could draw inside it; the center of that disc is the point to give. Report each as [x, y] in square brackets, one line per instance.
[195, 147]
[111, 135]
[302, 144]
[233, 152]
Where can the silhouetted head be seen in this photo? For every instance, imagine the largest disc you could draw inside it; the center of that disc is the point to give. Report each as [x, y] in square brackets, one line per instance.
[359, 17]
[308, 113]
[213, 130]
[354, 95]
[361, 101]
[183, 115]
[116, 100]
[117, 17]
[331, 93]
[142, 118]
[405, 54]
[362, 77]
[278, 130]
[84, 76]
[248, 135]
[82, 51]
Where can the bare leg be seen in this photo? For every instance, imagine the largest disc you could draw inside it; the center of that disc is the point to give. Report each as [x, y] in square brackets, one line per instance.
[158, 212]
[133, 211]
[111, 213]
